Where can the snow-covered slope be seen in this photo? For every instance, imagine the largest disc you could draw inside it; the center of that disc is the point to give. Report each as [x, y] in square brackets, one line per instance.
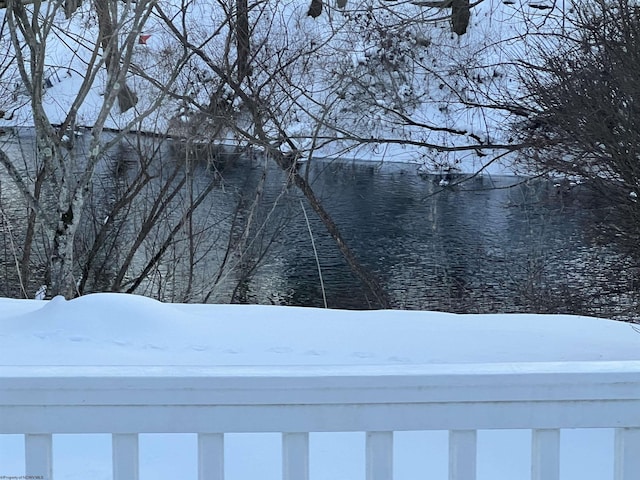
[377, 80]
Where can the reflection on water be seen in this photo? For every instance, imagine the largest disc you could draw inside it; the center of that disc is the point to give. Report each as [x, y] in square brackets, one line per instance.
[483, 244]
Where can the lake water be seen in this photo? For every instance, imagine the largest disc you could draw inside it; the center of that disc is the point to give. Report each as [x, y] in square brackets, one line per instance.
[482, 244]
[485, 244]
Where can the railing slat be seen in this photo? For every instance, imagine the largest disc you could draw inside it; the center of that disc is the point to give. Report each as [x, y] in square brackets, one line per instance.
[379, 455]
[125, 456]
[295, 456]
[211, 456]
[627, 454]
[38, 455]
[462, 454]
[545, 454]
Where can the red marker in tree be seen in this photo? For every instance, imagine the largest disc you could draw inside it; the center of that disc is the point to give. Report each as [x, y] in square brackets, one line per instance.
[143, 39]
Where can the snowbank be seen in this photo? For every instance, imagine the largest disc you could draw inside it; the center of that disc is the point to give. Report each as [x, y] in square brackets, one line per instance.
[119, 329]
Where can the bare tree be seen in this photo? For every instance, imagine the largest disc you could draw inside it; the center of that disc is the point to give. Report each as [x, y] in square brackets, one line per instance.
[252, 108]
[292, 80]
[345, 82]
[583, 108]
[108, 57]
[242, 38]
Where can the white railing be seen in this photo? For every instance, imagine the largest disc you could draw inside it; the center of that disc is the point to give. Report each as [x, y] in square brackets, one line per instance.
[462, 398]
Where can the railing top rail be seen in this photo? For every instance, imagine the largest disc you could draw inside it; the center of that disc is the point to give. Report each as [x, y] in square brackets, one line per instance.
[291, 385]
[382, 370]
[321, 398]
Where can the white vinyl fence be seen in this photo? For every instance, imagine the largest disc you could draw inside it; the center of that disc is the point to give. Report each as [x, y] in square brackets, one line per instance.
[378, 400]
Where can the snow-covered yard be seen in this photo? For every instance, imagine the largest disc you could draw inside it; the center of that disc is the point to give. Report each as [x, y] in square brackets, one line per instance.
[452, 357]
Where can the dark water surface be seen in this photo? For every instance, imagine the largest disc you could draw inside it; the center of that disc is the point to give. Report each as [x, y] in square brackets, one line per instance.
[481, 244]
[484, 244]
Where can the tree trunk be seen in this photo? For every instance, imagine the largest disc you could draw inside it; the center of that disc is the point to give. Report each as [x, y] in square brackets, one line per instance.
[127, 98]
[315, 9]
[25, 261]
[460, 15]
[70, 6]
[62, 280]
[242, 38]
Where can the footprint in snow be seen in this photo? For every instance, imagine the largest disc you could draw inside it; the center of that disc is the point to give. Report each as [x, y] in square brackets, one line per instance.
[79, 338]
[399, 359]
[281, 350]
[315, 353]
[199, 348]
[43, 335]
[363, 355]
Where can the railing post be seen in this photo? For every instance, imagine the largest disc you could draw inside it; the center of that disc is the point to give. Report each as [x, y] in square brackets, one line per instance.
[379, 455]
[211, 456]
[38, 456]
[125, 456]
[462, 454]
[627, 454]
[545, 454]
[295, 456]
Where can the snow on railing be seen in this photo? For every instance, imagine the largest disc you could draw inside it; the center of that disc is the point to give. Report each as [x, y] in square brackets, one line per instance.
[461, 398]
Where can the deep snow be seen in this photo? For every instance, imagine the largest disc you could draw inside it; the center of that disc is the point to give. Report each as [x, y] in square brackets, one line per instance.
[118, 329]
